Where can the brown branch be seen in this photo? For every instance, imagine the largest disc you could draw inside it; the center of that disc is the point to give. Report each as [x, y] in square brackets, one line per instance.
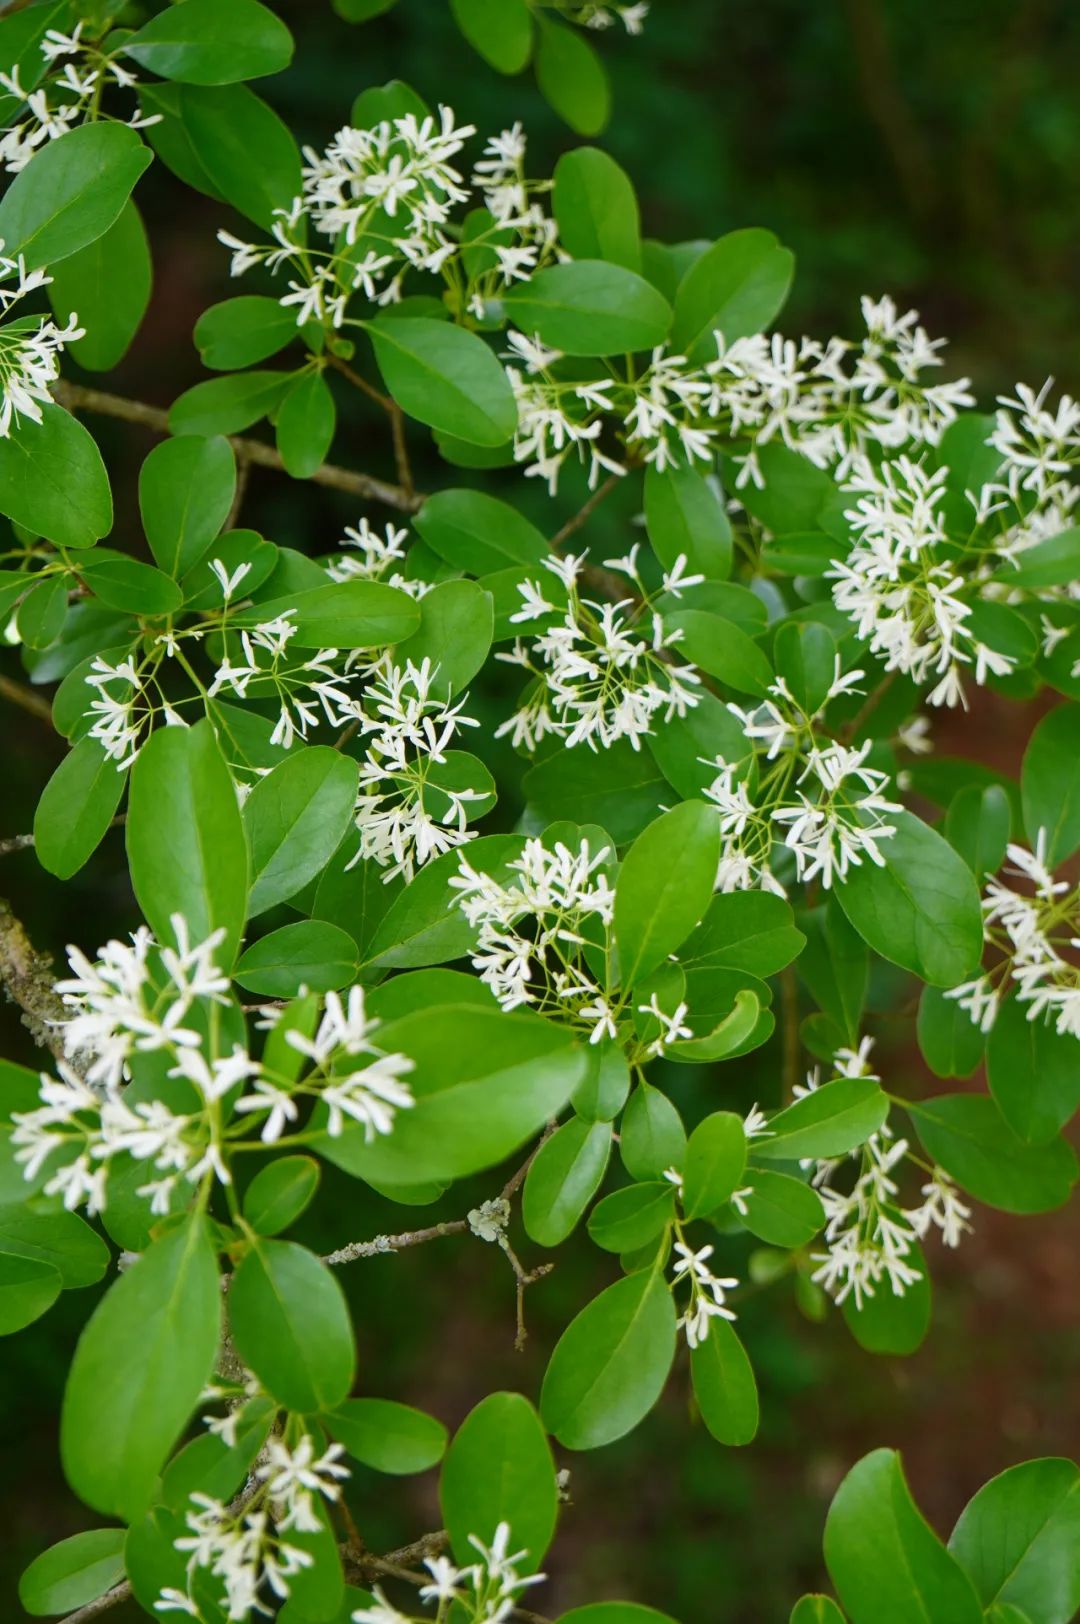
[76, 397]
[585, 513]
[395, 1243]
[27, 977]
[243, 474]
[393, 411]
[26, 699]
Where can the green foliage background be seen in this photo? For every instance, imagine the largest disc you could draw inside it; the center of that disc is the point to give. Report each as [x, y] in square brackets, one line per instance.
[925, 148]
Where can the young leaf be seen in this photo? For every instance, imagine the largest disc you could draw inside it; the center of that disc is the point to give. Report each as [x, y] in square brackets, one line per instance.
[139, 1368]
[295, 818]
[724, 1385]
[921, 909]
[76, 807]
[735, 289]
[280, 1192]
[1019, 1539]
[74, 1572]
[829, 1122]
[78, 187]
[185, 839]
[388, 1437]
[596, 210]
[562, 1179]
[664, 887]
[445, 377]
[212, 42]
[291, 1326]
[610, 1364]
[713, 1164]
[52, 479]
[186, 489]
[816, 1610]
[499, 1469]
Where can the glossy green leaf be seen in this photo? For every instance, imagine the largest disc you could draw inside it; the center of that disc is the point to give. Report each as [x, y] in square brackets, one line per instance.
[1050, 784]
[291, 1326]
[828, 1122]
[499, 1469]
[610, 1364]
[305, 422]
[454, 634]
[779, 1209]
[77, 189]
[52, 479]
[890, 1323]
[562, 1179]
[724, 1385]
[76, 808]
[59, 1238]
[445, 377]
[243, 331]
[596, 209]
[713, 1164]
[628, 1219]
[816, 1610]
[665, 885]
[744, 930]
[501, 30]
[951, 1043]
[737, 288]
[186, 489]
[1019, 1539]
[107, 285]
[28, 1289]
[280, 1192]
[295, 818]
[476, 532]
[388, 1437]
[971, 1140]
[225, 125]
[139, 1368]
[73, 1572]
[652, 1137]
[308, 956]
[590, 307]
[228, 405]
[343, 614]
[572, 77]
[1032, 1071]
[685, 516]
[212, 42]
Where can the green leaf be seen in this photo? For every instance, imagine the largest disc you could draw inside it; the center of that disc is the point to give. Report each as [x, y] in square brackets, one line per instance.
[724, 1385]
[795, 496]
[978, 823]
[652, 1136]
[343, 614]
[445, 377]
[185, 840]
[614, 1612]
[501, 30]
[1050, 784]
[951, 1043]
[721, 649]
[499, 1469]
[52, 479]
[664, 887]
[476, 532]
[305, 422]
[1032, 1071]
[388, 1437]
[186, 490]
[781, 1210]
[685, 515]
[816, 1610]
[1054, 561]
[28, 1289]
[714, 1163]
[239, 332]
[76, 807]
[41, 614]
[736, 288]
[887, 1322]
[225, 125]
[606, 1085]
[290, 1323]
[835, 965]
[589, 307]
[563, 1177]
[631, 1218]
[295, 819]
[596, 210]
[484, 1083]
[60, 1238]
[610, 1364]
[227, 405]
[139, 1369]
[202, 590]
[280, 1192]
[129, 585]
[107, 284]
[887, 1564]
[572, 77]
[1019, 1539]
[308, 956]
[921, 910]
[623, 790]
[77, 189]
[967, 1135]
[744, 930]
[805, 657]
[212, 42]
[75, 1571]
[423, 925]
[830, 1121]
[455, 631]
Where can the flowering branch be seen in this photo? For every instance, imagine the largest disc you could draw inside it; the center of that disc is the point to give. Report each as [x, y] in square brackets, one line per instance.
[75, 396]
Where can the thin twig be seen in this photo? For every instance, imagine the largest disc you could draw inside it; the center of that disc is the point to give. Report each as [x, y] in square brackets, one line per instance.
[395, 1243]
[26, 699]
[243, 474]
[585, 513]
[27, 976]
[94, 1609]
[358, 381]
[76, 396]
[392, 410]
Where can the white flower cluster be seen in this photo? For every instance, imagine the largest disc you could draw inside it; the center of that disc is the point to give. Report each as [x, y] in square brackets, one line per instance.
[245, 1550]
[483, 1592]
[30, 347]
[631, 16]
[898, 588]
[140, 999]
[596, 677]
[708, 1292]
[828, 401]
[533, 932]
[408, 809]
[829, 804]
[77, 89]
[369, 556]
[1032, 933]
[868, 1236]
[385, 196]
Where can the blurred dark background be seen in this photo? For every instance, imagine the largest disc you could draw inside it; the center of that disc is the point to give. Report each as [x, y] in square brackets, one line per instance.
[926, 148]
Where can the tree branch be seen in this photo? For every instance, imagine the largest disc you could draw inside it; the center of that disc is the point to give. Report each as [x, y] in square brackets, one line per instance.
[27, 976]
[381, 1244]
[76, 397]
[26, 699]
[94, 1609]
